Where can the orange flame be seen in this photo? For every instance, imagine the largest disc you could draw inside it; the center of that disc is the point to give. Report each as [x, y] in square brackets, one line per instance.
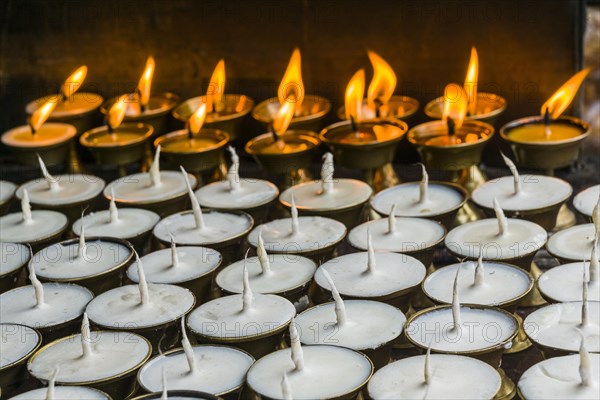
[383, 83]
[561, 99]
[74, 81]
[471, 81]
[42, 113]
[216, 86]
[291, 88]
[455, 104]
[145, 83]
[354, 95]
[197, 119]
[117, 111]
[284, 116]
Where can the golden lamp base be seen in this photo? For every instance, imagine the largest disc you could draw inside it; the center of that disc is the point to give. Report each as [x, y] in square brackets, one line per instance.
[565, 219]
[508, 389]
[534, 298]
[381, 178]
[521, 341]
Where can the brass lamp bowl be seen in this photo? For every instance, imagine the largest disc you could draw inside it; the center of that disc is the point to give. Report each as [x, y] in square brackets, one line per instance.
[313, 110]
[117, 153]
[230, 119]
[489, 107]
[546, 155]
[398, 107]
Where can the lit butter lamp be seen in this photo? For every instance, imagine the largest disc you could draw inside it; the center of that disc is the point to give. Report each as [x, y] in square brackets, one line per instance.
[483, 106]
[196, 149]
[310, 110]
[224, 111]
[150, 108]
[116, 143]
[365, 144]
[380, 101]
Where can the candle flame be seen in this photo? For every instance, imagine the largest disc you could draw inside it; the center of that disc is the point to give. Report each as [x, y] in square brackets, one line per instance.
[354, 95]
[383, 83]
[291, 88]
[471, 81]
[216, 87]
[145, 82]
[455, 104]
[116, 114]
[284, 116]
[561, 99]
[74, 81]
[197, 119]
[42, 114]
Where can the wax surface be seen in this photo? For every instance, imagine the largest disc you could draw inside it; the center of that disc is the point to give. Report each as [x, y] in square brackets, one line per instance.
[537, 191]
[48, 134]
[586, 200]
[119, 137]
[286, 272]
[453, 377]
[7, 191]
[367, 133]
[284, 146]
[138, 188]
[113, 353]
[523, 237]
[252, 193]
[558, 326]
[345, 193]
[536, 132]
[44, 223]
[480, 329]
[411, 234]
[12, 257]
[224, 317]
[17, 342]
[63, 393]
[121, 307]
[558, 378]
[501, 284]
[440, 199]
[62, 302]
[185, 145]
[131, 223]
[194, 262]
[219, 369]
[393, 272]
[573, 243]
[71, 189]
[564, 283]
[329, 371]
[218, 227]
[315, 233]
[78, 103]
[369, 325]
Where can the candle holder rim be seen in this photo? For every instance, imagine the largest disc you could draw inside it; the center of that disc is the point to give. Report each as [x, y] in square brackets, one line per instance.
[57, 232]
[84, 139]
[171, 98]
[569, 120]
[108, 196]
[32, 146]
[309, 136]
[431, 105]
[193, 394]
[412, 133]
[223, 137]
[325, 103]
[403, 126]
[341, 113]
[18, 267]
[84, 201]
[176, 113]
[29, 354]
[263, 181]
[32, 106]
[288, 204]
[549, 299]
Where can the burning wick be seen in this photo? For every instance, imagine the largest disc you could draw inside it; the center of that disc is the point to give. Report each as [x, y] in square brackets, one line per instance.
[353, 124]
[142, 284]
[370, 253]
[37, 287]
[451, 126]
[187, 348]
[340, 308]
[547, 130]
[297, 353]
[86, 340]
[456, 303]
[514, 171]
[263, 257]
[502, 220]
[286, 388]
[247, 295]
[198, 218]
[52, 383]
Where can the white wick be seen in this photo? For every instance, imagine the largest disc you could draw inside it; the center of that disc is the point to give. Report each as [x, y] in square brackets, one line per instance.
[247, 295]
[81, 247]
[594, 263]
[286, 388]
[502, 221]
[155, 168]
[174, 257]
[86, 339]
[596, 216]
[479, 269]
[51, 383]
[585, 367]
[263, 257]
[233, 175]
[187, 348]
[195, 205]
[340, 308]
[327, 170]
[427, 373]
[515, 173]
[297, 353]
[295, 222]
[584, 306]
[112, 208]
[371, 264]
[52, 182]
[26, 207]
[392, 220]
[456, 302]
[164, 395]
[423, 185]
[142, 284]
[37, 286]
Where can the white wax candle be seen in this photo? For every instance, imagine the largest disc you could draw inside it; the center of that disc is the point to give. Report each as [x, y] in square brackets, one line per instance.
[62, 261]
[12, 257]
[62, 302]
[140, 189]
[501, 283]
[407, 198]
[563, 283]
[558, 325]
[586, 200]
[452, 377]
[66, 189]
[251, 193]
[329, 371]
[7, 191]
[410, 234]
[479, 329]
[63, 393]
[344, 193]
[48, 134]
[113, 353]
[573, 243]
[43, 224]
[128, 223]
[17, 342]
[219, 369]
[192, 262]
